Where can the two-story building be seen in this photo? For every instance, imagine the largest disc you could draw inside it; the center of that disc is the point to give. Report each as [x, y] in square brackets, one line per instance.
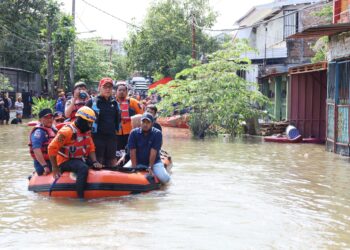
[267, 28]
[338, 82]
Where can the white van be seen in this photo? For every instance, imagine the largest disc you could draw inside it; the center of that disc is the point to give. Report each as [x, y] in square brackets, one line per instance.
[140, 84]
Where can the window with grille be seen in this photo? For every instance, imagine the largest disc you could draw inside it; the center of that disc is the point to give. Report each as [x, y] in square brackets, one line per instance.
[290, 20]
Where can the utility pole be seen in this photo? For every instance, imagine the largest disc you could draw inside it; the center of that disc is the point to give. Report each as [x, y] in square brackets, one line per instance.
[72, 63]
[110, 54]
[193, 38]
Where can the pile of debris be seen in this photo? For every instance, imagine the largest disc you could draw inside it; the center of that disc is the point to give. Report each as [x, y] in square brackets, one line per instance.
[267, 129]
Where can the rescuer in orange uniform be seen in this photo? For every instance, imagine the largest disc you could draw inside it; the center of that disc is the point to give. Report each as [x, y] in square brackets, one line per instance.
[128, 107]
[72, 146]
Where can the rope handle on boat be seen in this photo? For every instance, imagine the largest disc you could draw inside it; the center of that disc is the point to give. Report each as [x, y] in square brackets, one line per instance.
[53, 184]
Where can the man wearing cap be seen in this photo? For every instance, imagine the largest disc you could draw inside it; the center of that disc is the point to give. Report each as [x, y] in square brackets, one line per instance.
[40, 137]
[107, 122]
[79, 99]
[128, 107]
[144, 145]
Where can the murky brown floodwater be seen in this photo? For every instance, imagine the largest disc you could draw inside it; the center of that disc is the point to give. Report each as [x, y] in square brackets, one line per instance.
[241, 195]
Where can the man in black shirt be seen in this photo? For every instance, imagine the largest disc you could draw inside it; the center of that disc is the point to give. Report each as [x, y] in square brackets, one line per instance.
[107, 123]
[152, 109]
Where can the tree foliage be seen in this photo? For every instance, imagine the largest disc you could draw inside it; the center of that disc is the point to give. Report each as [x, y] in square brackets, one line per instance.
[5, 84]
[213, 93]
[164, 42]
[94, 61]
[321, 45]
[21, 43]
[42, 103]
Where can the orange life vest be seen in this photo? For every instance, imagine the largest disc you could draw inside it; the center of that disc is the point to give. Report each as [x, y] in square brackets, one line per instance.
[50, 134]
[79, 148]
[124, 109]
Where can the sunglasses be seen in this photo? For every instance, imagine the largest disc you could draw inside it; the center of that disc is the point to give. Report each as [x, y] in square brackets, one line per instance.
[59, 120]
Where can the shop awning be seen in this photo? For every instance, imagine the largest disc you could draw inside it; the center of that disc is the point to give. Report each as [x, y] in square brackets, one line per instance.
[322, 30]
[165, 80]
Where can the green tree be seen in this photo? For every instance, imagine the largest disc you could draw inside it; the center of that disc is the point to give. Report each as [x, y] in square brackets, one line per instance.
[51, 19]
[164, 42]
[5, 84]
[20, 41]
[120, 67]
[94, 61]
[63, 37]
[214, 94]
[321, 45]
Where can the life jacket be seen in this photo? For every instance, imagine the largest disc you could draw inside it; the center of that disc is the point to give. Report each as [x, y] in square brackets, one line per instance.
[75, 109]
[50, 134]
[79, 148]
[126, 111]
[97, 112]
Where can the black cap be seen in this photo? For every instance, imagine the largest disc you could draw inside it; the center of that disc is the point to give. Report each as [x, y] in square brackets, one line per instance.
[147, 116]
[45, 112]
[57, 113]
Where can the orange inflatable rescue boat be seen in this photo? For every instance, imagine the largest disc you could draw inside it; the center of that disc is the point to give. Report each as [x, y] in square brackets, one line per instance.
[100, 183]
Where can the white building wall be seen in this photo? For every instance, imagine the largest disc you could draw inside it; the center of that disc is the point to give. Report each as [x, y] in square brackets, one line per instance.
[273, 37]
[252, 74]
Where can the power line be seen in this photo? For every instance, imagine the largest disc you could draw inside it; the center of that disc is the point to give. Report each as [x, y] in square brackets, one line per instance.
[115, 17]
[13, 33]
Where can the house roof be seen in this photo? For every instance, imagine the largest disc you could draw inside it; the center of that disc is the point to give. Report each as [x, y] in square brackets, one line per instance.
[266, 11]
[322, 30]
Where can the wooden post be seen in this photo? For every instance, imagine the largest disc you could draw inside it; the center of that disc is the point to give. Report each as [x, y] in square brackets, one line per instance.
[278, 83]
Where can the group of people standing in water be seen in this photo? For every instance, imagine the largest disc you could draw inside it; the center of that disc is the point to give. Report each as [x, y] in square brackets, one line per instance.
[98, 127]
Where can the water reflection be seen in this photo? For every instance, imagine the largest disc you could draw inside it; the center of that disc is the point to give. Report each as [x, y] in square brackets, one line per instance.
[244, 194]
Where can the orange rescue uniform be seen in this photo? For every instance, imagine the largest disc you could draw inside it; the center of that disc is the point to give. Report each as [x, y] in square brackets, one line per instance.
[65, 137]
[128, 108]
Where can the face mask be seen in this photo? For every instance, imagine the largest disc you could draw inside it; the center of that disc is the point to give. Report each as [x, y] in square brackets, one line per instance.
[83, 125]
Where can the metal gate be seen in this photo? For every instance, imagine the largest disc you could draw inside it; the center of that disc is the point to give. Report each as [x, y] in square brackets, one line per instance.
[338, 106]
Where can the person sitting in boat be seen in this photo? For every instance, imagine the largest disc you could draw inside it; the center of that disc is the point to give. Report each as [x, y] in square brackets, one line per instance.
[107, 123]
[72, 146]
[58, 118]
[145, 144]
[152, 109]
[128, 107]
[79, 99]
[40, 137]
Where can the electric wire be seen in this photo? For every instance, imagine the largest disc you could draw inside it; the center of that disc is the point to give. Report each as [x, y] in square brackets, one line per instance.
[115, 17]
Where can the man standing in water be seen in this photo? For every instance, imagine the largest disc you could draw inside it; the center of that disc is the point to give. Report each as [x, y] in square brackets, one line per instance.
[145, 144]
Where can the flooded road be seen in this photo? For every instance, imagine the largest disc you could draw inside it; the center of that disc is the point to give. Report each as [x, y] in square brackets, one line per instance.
[244, 194]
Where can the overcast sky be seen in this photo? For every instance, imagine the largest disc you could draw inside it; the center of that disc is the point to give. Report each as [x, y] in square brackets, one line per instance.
[88, 18]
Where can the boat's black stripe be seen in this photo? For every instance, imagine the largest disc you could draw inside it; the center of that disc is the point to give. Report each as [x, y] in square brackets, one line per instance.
[134, 188]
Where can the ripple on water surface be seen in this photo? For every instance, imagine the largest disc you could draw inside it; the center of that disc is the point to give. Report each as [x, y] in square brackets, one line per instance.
[242, 194]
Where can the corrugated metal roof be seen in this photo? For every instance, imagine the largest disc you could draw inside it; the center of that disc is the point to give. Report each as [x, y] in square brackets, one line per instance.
[307, 68]
[322, 30]
[260, 12]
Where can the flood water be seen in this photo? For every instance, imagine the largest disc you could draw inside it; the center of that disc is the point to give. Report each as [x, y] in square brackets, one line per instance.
[244, 194]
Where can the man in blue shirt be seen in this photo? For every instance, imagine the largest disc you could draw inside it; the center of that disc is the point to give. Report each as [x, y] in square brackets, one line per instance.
[144, 145]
